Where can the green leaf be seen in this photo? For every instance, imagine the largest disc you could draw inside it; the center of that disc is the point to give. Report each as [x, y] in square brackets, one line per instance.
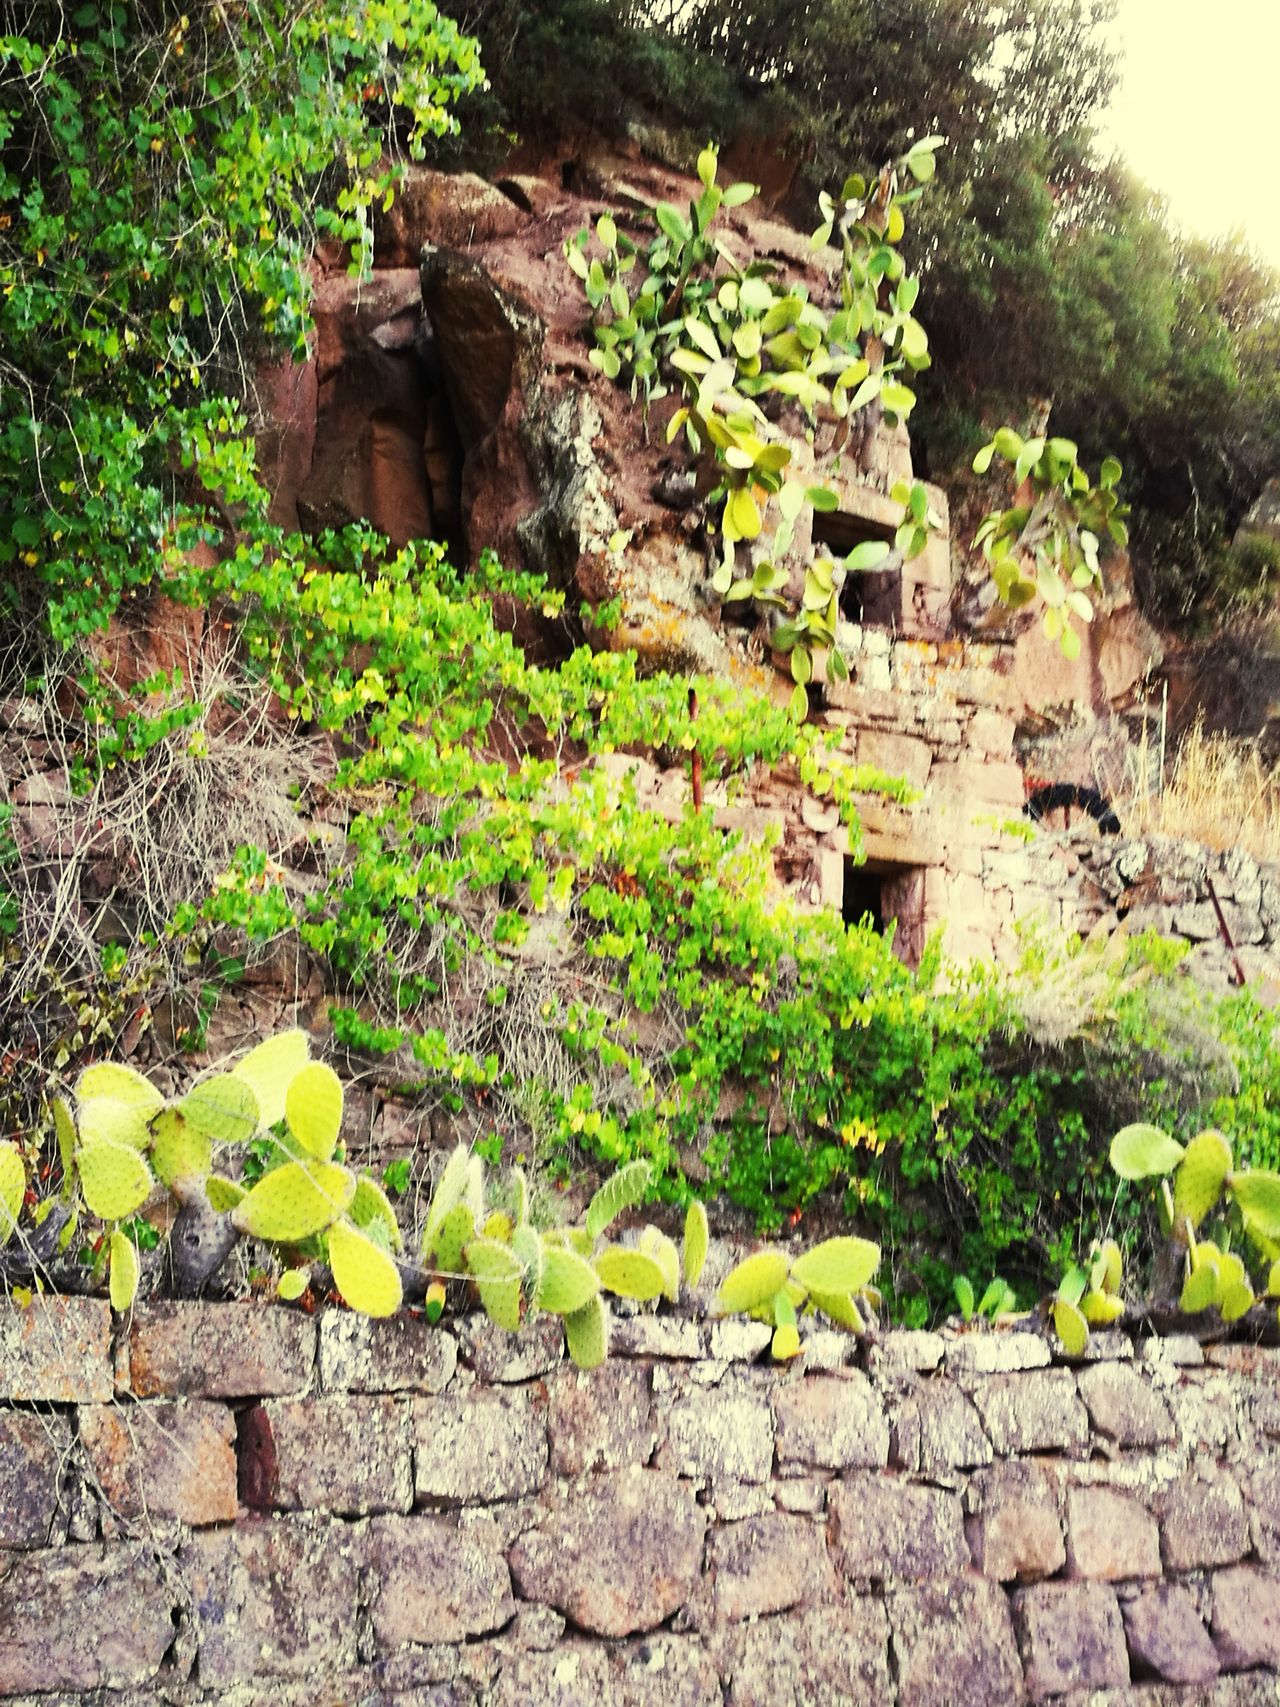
[962, 1287]
[707, 165]
[1140, 1150]
[737, 194]
[870, 554]
[607, 231]
[822, 499]
[1071, 1328]
[741, 516]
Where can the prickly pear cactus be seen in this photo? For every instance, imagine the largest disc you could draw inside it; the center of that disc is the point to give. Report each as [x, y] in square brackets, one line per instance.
[629, 1273]
[568, 1282]
[837, 1265]
[13, 1186]
[179, 1149]
[448, 1195]
[313, 1109]
[456, 1232]
[114, 1179]
[586, 1334]
[371, 1208]
[294, 1201]
[108, 1120]
[622, 1191]
[122, 1284]
[364, 1274]
[497, 1273]
[118, 1083]
[269, 1070]
[223, 1193]
[223, 1108]
[1198, 1182]
[753, 1281]
[655, 1243]
[697, 1239]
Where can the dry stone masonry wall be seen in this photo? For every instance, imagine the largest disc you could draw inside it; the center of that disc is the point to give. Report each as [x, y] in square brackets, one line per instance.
[242, 1504]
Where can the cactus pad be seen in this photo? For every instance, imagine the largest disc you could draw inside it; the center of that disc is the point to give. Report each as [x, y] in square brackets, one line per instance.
[753, 1281]
[622, 1191]
[447, 1196]
[497, 1273]
[526, 1243]
[179, 1150]
[1198, 1183]
[1071, 1327]
[1107, 1267]
[64, 1128]
[1140, 1150]
[114, 1179]
[223, 1107]
[629, 1273]
[292, 1284]
[313, 1108]
[455, 1234]
[122, 1285]
[839, 1308]
[655, 1243]
[223, 1193]
[13, 1187]
[786, 1342]
[498, 1225]
[1200, 1289]
[586, 1333]
[519, 1197]
[837, 1265]
[122, 1084]
[1099, 1308]
[365, 1275]
[697, 1238]
[1235, 1298]
[1258, 1194]
[371, 1206]
[568, 1282]
[269, 1070]
[294, 1201]
[110, 1121]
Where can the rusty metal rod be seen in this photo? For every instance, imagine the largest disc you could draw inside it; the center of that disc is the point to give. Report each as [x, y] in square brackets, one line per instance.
[1223, 926]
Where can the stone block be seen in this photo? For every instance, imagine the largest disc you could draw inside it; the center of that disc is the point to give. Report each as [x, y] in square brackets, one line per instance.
[1203, 1522]
[996, 1352]
[1246, 1618]
[600, 1419]
[991, 734]
[1110, 1535]
[737, 1341]
[1071, 1636]
[897, 755]
[952, 1642]
[907, 1348]
[1125, 1407]
[1014, 1527]
[719, 1436]
[830, 1422]
[621, 1552]
[220, 1351]
[81, 1618]
[1036, 1412]
[165, 1459]
[656, 1336]
[497, 1356]
[429, 1581]
[1262, 1492]
[937, 1431]
[836, 1654]
[34, 1448]
[350, 1455]
[479, 1446]
[889, 1529]
[1166, 1635]
[56, 1349]
[403, 1354]
[769, 1564]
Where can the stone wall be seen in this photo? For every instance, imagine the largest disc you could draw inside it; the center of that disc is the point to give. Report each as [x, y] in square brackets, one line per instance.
[242, 1504]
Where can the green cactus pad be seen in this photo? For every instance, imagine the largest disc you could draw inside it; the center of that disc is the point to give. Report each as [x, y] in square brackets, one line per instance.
[519, 1197]
[371, 1206]
[629, 1273]
[1200, 1289]
[64, 1128]
[498, 1225]
[1273, 1280]
[578, 1239]
[837, 1265]
[1071, 1327]
[223, 1193]
[114, 1179]
[447, 1196]
[122, 1285]
[292, 1284]
[179, 1150]
[13, 1188]
[269, 1070]
[1140, 1150]
[586, 1334]
[1099, 1308]
[839, 1308]
[1258, 1195]
[294, 1201]
[753, 1281]
[655, 1243]
[106, 1120]
[786, 1342]
[223, 1107]
[366, 1277]
[473, 1193]
[530, 1252]
[568, 1282]
[622, 1191]
[1106, 1269]
[313, 1108]
[497, 1273]
[121, 1084]
[1235, 1299]
[697, 1239]
[454, 1236]
[1198, 1183]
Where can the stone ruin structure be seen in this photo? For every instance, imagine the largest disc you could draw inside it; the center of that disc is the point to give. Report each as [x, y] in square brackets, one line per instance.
[452, 396]
[243, 1505]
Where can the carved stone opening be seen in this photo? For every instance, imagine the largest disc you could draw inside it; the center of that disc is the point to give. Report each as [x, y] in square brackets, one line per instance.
[891, 896]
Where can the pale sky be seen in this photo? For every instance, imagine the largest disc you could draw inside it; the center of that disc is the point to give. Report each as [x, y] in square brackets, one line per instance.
[1197, 114]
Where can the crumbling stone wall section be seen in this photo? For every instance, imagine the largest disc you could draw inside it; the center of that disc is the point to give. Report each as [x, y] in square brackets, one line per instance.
[241, 1503]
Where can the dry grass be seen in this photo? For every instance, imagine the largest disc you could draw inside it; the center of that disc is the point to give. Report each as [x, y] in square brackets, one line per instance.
[1214, 790]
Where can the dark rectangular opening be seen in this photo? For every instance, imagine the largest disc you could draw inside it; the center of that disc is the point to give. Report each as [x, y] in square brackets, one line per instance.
[870, 596]
[888, 896]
